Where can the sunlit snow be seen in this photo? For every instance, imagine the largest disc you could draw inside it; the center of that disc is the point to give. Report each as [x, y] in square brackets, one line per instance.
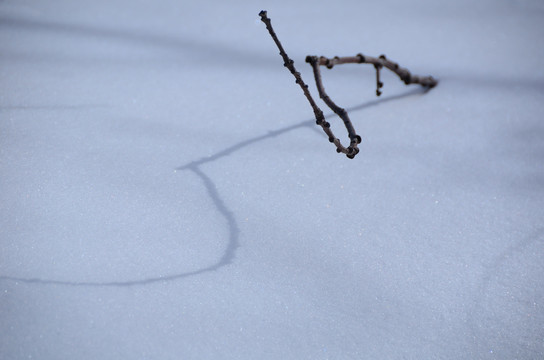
[166, 194]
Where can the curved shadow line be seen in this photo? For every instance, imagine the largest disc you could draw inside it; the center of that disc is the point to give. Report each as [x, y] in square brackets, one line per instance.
[243, 144]
[234, 231]
[306, 123]
[227, 257]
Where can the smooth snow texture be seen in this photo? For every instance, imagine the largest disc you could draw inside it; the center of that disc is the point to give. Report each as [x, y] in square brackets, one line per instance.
[166, 194]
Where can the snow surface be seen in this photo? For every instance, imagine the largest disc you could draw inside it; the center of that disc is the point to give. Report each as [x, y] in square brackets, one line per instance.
[165, 193]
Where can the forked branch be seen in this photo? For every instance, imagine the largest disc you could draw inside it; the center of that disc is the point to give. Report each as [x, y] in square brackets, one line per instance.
[319, 117]
[379, 62]
[316, 62]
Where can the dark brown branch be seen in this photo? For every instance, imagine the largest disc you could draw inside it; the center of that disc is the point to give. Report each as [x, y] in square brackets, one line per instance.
[351, 150]
[379, 84]
[379, 62]
[290, 64]
[316, 62]
[355, 139]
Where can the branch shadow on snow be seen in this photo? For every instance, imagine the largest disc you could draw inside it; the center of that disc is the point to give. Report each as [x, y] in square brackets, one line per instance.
[222, 208]
[226, 258]
[52, 107]
[194, 50]
[310, 123]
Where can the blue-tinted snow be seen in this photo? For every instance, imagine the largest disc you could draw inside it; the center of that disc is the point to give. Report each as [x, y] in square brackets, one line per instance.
[165, 194]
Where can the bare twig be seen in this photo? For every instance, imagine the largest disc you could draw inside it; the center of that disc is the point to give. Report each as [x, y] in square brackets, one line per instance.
[351, 150]
[379, 62]
[355, 139]
[316, 62]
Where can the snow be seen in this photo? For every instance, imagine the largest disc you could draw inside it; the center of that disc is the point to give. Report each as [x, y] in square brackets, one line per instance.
[166, 194]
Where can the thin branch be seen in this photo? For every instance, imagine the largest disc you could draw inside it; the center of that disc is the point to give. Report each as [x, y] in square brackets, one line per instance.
[379, 84]
[290, 64]
[379, 63]
[351, 150]
[355, 139]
